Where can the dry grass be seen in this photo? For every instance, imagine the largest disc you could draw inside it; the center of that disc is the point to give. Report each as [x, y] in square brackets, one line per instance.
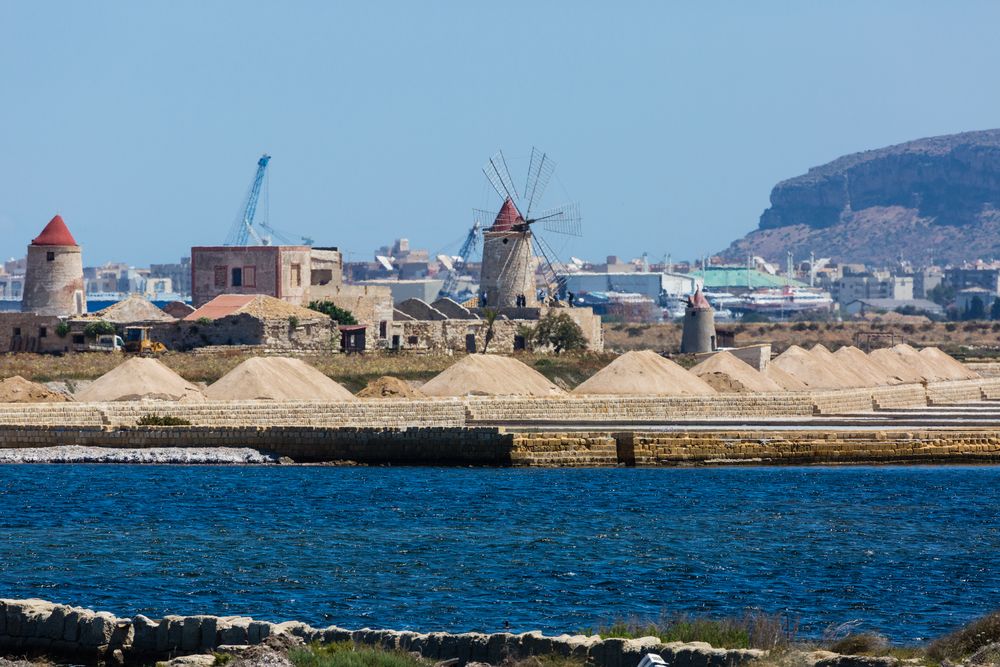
[968, 339]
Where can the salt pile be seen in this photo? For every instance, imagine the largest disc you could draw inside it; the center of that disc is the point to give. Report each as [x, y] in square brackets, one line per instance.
[644, 373]
[812, 370]
[18, 390]
[848, 374]
[786, 380]
[389, 387]
[859, 363]
[896, 365]
[140, 379]
[947, 366]
[728, 373]
[276, 379]
[489, 375]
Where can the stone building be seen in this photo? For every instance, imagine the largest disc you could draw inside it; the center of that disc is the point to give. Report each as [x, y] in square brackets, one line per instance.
[53, 279]
[698, 334]
[282, 272]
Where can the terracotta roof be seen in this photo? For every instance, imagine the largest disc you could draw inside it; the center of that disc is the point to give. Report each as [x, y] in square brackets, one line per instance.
[507, 217]
[55, 233]
[260, 306]
[698, 300]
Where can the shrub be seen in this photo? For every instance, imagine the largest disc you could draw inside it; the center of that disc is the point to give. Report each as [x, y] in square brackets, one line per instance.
[860, 644]
[559, 331]
[950, 326]
[62, 329]
[967, 640]
[753, 630]
[162, 420]
[293, 322]
[204, 321]
[346, 654]
[334, 312]
[98, 328]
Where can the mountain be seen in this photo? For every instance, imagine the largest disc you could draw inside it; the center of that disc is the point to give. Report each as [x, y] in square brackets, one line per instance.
[930, 199]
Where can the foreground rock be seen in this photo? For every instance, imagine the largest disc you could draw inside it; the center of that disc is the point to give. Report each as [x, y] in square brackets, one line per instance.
[153, 455]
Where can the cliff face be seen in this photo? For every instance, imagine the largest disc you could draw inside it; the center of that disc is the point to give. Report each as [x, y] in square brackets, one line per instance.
[935, 198]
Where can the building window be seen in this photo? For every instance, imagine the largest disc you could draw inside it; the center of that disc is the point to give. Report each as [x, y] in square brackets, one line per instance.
[237, 277]
[220, 276]
[296, 276]
[17, 331]
[42, 332]
[50, 256]
[383, 327]
[249, 276]
[411, 340]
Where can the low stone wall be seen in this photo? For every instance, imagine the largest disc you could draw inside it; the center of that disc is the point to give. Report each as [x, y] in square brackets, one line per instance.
[808, 447]
[40, 627]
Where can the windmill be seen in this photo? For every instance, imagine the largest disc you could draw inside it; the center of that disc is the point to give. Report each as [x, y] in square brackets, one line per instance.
[513, 249]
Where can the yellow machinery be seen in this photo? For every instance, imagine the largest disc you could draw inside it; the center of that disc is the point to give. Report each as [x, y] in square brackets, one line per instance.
[137, 341]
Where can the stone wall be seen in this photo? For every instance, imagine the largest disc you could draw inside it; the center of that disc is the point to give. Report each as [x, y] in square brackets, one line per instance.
[371, 305]
[41, 627]
[28, 332]
[244, 329]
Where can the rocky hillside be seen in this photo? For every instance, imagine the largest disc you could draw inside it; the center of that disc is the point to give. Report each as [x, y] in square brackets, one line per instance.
[935, 198]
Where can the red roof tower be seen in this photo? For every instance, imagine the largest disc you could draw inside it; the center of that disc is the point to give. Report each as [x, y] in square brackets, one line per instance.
[55, 233]
[507, 218]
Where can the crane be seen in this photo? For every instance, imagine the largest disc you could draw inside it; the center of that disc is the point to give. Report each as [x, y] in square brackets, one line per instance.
[249, 229]
[468, 246]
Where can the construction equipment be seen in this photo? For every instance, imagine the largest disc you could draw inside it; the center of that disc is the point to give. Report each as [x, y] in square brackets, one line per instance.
[253, 228]
[138, 341]
[450, 287]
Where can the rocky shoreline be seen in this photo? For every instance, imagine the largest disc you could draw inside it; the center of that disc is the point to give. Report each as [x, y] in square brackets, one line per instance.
[151, 456]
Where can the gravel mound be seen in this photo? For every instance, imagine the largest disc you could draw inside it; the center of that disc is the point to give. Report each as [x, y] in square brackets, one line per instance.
[18, 390]
[859, 363]
[644, 373]
[947, 366]
[489, 375]
[154, 455]
[727, 373]
[787, 381]
[140, 379]
[389, 387]
[276, 379]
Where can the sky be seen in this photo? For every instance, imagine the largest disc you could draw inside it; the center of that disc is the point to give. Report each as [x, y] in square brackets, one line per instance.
[141, 122]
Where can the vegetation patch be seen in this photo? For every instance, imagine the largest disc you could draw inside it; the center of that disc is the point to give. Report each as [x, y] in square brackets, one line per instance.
[346, 654]
[162, 420]
[752, 630]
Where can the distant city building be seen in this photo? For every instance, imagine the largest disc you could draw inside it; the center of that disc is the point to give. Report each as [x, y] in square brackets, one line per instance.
[650, 285]
[962, 278]
[425, 290]
[870, 306]
[179, 275]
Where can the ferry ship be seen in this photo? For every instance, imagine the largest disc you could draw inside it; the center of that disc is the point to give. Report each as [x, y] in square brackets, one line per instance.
[784, 300]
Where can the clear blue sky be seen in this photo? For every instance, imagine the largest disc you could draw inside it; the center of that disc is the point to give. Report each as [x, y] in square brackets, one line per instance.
[141, 122]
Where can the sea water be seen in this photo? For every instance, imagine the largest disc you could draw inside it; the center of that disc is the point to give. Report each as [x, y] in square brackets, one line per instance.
[907, 551]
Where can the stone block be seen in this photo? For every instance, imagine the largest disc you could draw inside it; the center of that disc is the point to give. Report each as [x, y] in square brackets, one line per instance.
[97, 630]
[209, 632]
[146, 630]
[234, 631]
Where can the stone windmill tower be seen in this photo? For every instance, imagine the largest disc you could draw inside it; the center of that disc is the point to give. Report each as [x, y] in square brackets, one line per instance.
[53, 280]
[698, 334]
[513, 251]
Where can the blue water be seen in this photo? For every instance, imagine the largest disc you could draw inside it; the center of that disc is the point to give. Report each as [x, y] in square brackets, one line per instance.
[910, 552]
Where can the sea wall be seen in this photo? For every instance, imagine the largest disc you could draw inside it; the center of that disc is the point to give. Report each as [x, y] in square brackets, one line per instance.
[45, 628]
[809, 447]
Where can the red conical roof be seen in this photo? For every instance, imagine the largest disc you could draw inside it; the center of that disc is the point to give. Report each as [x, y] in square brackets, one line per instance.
[507, 217]
[698, 300]
[55, 233]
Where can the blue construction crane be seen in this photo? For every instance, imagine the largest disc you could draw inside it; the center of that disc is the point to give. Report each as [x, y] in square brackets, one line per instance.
[243, 230]
[450, 286]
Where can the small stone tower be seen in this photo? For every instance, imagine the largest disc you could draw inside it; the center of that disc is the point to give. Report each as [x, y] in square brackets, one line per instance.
[508, 261]
[699, 325]
[53, 280]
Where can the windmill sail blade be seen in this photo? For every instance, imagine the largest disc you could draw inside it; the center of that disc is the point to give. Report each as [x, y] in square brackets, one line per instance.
[539, 172]
[561, 220]
[484, 218]
[499, 176]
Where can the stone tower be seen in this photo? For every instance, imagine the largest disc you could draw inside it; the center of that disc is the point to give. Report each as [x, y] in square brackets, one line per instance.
[53, 280]
[508, 261]
[699, 325]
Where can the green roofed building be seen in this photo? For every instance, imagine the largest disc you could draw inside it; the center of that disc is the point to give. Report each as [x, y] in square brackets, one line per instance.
[735, 279]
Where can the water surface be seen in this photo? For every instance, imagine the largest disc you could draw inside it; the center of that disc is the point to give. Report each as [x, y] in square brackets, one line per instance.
[908, 551]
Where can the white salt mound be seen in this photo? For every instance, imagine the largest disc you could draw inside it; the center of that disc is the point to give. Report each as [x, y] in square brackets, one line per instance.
[786, 380]
[807, 368]
[644, 373]
[896, 365]
[727, 373]
[947, 366]
[846, 374]
[858, 363]
[489, 375]
[276, 379]
[140, 379]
